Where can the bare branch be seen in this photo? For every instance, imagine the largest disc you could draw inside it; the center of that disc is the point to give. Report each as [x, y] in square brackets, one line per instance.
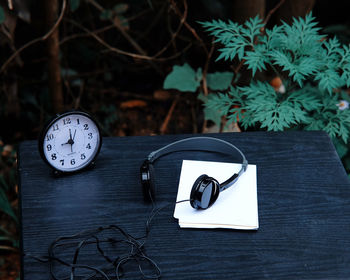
[267, 18]
[75, 36]
[189, 27]
[174, 35]
[166, 121]
[40, 39]
[121, 29]
[10, 4]
[119, 51]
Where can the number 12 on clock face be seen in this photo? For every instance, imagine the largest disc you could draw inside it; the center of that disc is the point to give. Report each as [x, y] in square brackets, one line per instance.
[70, 142]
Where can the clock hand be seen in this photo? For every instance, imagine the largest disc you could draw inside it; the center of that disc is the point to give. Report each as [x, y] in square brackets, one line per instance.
[70, 141]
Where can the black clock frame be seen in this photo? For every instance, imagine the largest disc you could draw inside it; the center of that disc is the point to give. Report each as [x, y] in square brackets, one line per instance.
[48, 126]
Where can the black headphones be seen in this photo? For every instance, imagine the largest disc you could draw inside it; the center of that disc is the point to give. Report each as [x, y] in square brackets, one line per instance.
[205, 189]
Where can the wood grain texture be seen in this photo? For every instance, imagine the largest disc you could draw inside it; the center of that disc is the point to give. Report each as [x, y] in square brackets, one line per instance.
[303, 198]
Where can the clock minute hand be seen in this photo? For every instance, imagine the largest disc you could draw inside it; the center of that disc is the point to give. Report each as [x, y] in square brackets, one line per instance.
[70, 141]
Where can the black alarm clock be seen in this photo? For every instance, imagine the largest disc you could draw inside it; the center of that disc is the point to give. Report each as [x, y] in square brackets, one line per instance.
[70, 142]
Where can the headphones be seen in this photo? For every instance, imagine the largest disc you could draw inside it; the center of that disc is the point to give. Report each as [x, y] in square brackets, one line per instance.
[205, 189]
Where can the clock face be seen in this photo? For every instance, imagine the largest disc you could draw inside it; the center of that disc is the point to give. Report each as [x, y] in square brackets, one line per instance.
[70, 142]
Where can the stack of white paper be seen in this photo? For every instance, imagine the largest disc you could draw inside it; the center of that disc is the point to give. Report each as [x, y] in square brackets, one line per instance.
[235, 208]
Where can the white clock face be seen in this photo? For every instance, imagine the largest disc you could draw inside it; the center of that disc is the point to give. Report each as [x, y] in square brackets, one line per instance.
[71, 142]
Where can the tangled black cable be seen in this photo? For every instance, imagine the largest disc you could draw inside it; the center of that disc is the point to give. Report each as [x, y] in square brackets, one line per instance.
[87, 237]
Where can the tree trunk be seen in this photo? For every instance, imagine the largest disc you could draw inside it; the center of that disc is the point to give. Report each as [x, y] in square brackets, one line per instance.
[54, 68]
[244, 9]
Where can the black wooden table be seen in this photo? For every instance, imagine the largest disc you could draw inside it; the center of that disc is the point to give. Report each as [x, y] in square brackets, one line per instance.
[303, 198]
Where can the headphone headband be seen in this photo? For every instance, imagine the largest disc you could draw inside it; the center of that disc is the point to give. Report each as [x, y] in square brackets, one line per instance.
[202, 143]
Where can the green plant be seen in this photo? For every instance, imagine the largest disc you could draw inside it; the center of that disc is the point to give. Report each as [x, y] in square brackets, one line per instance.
[8, 240]
[185, 79]
[314, 70]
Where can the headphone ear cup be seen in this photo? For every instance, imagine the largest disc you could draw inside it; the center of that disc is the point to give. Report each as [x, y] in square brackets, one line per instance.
[196, 186]
[147, 181]
[204, 193]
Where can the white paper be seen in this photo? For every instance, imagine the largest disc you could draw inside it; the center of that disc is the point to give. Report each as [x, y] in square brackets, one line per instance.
[235, 208]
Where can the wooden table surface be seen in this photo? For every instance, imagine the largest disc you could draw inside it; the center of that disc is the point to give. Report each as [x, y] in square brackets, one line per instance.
[303, 200]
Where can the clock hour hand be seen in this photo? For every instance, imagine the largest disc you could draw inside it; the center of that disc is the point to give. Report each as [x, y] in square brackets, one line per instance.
[70, 140]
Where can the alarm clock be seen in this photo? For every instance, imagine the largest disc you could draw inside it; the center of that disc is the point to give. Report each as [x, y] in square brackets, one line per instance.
[70, 142]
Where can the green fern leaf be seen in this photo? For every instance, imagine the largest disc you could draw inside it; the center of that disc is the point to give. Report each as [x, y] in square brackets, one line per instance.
[252, 28]
[256, 59]
[307, 97]
[328, 80]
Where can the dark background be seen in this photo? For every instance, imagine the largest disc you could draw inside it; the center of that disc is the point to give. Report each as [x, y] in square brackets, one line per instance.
[124, 93]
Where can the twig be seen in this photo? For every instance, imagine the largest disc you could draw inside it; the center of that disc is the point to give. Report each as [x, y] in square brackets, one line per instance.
[40, 39]
[204, 79]
[8, 248]
[194, 120]
[126, 35]
[191, 29]
[117, 24]
[174, 35]
[137, 15]
[81, 91]
[272, 11]
[10, 4]
[119, 51]
[153, 23]
[75, 36]
[164, 126]
[205, 69]
[239, 66]
[11, 44]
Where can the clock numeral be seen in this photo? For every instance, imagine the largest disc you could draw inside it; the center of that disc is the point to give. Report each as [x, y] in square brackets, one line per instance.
[86, 126]
[55, 127]
[72, 162]
[49, 137]
[90, 135]
[53, 156]
[67, 121]
[78, 122]
[62, 162]
[82, 156]
[88, 146]
[49, 148]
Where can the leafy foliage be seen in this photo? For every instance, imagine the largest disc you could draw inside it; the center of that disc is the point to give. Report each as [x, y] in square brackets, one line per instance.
[7, 181]
[219, 80]
[74, 5]
[2, 15]
[7, 160]
[314, 67]
[297, 49]
[183, 78]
